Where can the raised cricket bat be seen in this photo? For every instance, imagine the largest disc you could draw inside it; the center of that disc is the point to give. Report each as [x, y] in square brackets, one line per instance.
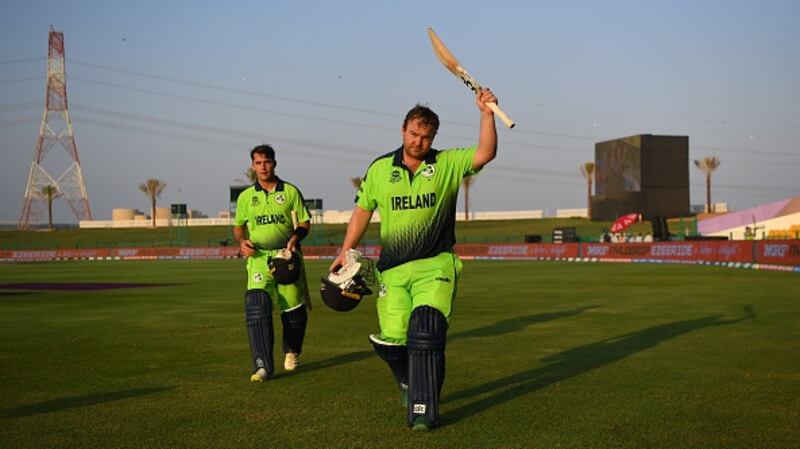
[451, 63]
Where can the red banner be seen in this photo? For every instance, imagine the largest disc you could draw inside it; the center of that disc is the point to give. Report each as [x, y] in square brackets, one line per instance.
[214, 252]
[330, 252]
[218, 252]
[28, 256]
[517, 251]
[779, 252]
[765, 252]
[706, 251]
[469, 251]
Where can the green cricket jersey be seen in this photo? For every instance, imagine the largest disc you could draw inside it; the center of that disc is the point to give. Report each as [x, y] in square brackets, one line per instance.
[418, 211]
[269, 214]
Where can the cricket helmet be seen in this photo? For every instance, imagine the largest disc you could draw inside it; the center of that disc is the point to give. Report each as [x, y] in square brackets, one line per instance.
[343, 290]
[285, 267]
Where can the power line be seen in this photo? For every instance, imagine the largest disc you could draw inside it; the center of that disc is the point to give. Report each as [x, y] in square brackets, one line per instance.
[21, 106]
[210, 129]
[250, 93]
[392, 129]
[230, 105]
[363, 153]
[322, 119]
[206, 140]
[20, 61]
[742, 187]
[300, 100]
[329, 151]
[20, 80]
[20, 121]
[210, 86]
[214, 129]
[219, 130]
[747, 151]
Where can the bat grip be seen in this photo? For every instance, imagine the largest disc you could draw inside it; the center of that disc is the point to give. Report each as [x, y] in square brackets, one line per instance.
[502, 115]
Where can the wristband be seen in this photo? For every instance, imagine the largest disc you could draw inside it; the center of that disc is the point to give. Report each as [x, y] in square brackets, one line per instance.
[300, 232]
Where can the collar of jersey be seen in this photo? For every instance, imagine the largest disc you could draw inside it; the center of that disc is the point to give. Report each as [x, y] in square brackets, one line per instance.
[278, 186]
[430, 158]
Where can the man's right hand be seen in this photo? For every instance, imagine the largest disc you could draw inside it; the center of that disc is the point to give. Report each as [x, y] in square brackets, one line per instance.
[246, 248]
[338, 262]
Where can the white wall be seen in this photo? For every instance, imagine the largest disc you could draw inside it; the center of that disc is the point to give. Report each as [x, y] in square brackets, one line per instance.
[328, 216]
[86, 224]
[780, 223]
[569, 213]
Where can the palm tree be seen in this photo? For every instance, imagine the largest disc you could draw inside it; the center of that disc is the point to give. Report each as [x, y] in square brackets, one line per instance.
[707, 165]
[587, 170]
[250, 177]
[467, 183]
[356, 182]
[51, 193]
[153, 188]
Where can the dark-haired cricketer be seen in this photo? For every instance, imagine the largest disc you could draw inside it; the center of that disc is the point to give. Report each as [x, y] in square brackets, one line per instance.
[415, 190]
[263, 226]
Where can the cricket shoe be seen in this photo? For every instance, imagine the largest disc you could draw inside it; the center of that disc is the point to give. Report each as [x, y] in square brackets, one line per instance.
[421, 424]
[291, 361]
[259, 376]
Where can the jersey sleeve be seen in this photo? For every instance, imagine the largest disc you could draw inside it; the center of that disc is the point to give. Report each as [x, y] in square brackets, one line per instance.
[242, 212]
[365, 198]
[461, 160]
[299, 206]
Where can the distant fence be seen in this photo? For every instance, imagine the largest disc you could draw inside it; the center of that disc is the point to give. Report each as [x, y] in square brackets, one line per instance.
[160, 223]
[765, 254]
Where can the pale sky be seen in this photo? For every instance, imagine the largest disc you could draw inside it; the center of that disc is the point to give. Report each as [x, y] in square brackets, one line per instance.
[181, 90]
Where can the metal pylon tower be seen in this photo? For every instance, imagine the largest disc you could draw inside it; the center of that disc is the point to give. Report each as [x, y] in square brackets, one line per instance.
[55, 128]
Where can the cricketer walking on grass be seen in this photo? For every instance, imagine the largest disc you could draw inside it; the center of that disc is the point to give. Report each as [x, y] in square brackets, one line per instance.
[264, 227]
[415, 190]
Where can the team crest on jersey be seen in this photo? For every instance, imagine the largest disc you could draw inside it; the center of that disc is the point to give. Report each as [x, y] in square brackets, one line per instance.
[428, 171]
[258, 277]
[395, 176]
[254, 201]
[382, 290]
[280, 198]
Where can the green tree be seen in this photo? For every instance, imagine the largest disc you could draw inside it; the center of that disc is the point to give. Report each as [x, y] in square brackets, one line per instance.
[587, 171]
[153, 188]
[708, 165]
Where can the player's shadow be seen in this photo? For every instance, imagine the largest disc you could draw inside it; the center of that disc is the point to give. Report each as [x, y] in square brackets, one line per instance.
[340, 359]
[498, 328]
[79, 401]
[516, 324]
[574, 362]
[2, 294]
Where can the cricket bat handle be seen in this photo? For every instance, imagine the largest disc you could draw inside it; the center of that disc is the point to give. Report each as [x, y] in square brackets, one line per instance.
[499, 113]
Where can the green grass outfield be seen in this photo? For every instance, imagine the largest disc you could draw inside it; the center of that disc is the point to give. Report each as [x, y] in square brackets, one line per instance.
[540, 355]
